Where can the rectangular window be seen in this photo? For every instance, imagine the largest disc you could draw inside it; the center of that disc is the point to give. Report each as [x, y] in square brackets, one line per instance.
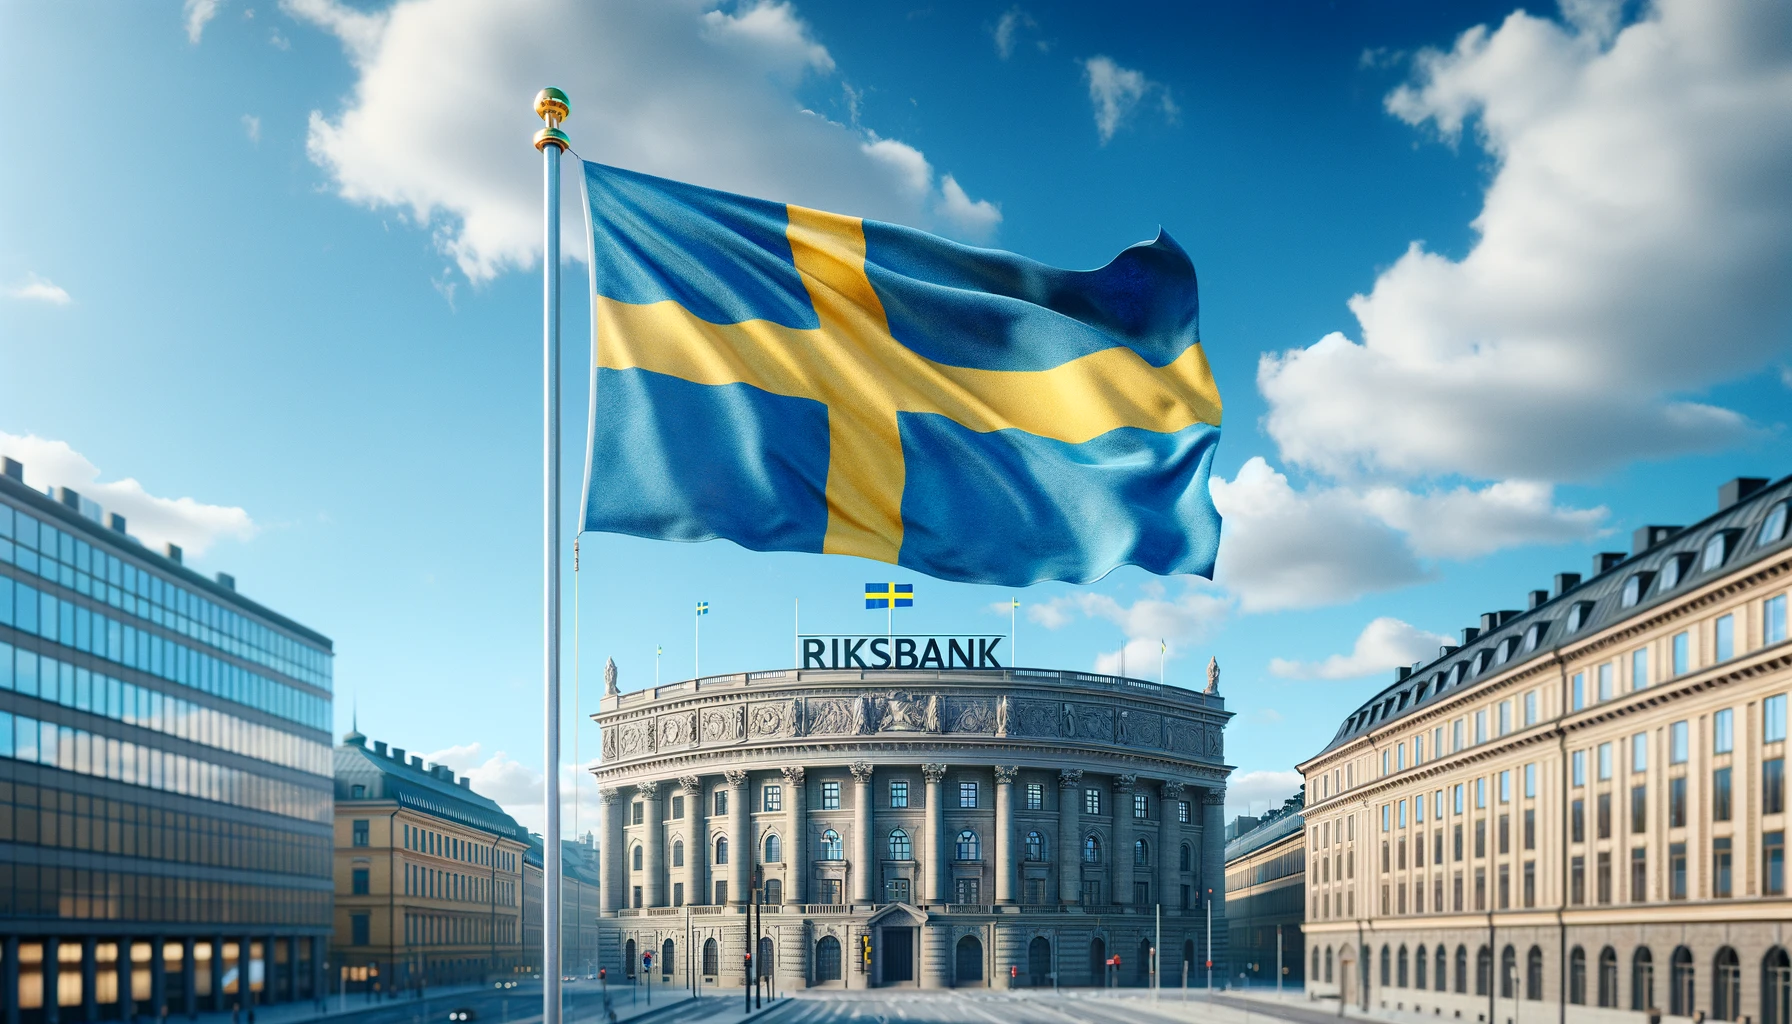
[1677, 802]
[1185, 816]
[1639, 752]
[1639, 808]
[967, 794]
[1418, 749]
[1578, 760]
[1579, 687]
[1676, 871]
[899, 794]
[1480, 794]
[1773, 785]
[358, 882]
[1457, 844]
[1604, 821]
[1530, 883]
[1505, 787]
[771, 798]
[830, 892]
[1720, 795]
[1530, 708]
[1400, 757]
[360, 832]
[1480, 837]
[1773, 718]
[678, 808]
[360, 929]
[1677, 742]
[721, 806]
[1505, 717]
[1605, 761]
[826, 883]
[1723, 732]
[1682, 650]
[1605, 681]
[1385, 823]
[1773, 619]
[1400, 813]
[1604, 880]
[1639, 874]
[1458, 798]
[1530, 781]
[830, 796]
[1577, 821]
[1091, 801]
[1505, 833]
[678, 894]
[1530, 828]
[1456, 735]
[1418, 810]
[1480, 727]
[1385, 755]
[1141, 806]
[1724, 637]
[1639, 668]
[1720, 867]
[1773, 863]
[1577, 880]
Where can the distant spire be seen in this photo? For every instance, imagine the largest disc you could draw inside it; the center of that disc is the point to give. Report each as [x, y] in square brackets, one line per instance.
[354, 728]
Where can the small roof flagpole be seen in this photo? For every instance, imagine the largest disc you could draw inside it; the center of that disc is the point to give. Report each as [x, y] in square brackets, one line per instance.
[551, 106]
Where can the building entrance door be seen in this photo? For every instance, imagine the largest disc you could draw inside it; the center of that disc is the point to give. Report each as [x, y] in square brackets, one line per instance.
[898, 955]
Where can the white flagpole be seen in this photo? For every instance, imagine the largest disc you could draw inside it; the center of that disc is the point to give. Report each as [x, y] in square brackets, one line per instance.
[551, 107]
[796, 632]
[697, 643]
[1013, 658]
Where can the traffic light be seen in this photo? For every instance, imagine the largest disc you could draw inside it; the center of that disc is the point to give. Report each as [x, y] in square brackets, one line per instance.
[865, 944]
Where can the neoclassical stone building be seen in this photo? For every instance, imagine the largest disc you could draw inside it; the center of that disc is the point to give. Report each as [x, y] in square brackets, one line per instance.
[978, 827]
[1579, 812]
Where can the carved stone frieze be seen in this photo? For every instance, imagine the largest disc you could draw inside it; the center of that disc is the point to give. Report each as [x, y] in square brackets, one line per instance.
[836, 716]
[1089, 722]
[771, 719]
[970, 715]
[609, 751]
[723, 724]
[678, 729]
[1141, 729]
[905, 712]
[635, 738]
[1182, 735]
[1036, 718]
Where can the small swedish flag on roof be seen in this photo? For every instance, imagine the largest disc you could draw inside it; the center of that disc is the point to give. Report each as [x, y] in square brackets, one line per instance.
[702, 607]
[889, 595]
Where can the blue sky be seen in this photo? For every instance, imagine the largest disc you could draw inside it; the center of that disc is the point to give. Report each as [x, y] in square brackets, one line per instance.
[1482, 291]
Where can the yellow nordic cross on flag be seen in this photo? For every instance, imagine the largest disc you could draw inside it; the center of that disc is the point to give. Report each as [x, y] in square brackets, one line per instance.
[852, 365]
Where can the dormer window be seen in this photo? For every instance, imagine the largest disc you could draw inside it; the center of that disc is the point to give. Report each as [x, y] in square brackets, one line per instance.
[1533, 637]
[1577, 615]
[1673, 571]
[357, 792]
[1482, 660]
[1634, 588]
[1459, 673]
[1773, 529]
[1717, 550]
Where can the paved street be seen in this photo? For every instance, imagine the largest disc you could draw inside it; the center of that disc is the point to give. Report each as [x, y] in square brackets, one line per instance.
[908, 1006]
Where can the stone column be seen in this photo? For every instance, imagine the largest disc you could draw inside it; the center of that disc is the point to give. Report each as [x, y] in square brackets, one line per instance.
[1169, 847]
[740, 838]
[1213, 872]
[938, 852]
[613, 857]
[1070, 839]
[1123, 840]
[864, 862]
[1007, 866]
[653, 846]
[696, 844]
[796, 839]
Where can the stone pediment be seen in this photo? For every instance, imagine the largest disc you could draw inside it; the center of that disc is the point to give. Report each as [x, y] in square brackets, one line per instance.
[901, 913]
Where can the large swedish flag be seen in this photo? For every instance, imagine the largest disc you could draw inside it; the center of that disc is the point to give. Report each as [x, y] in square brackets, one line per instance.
[794, 380]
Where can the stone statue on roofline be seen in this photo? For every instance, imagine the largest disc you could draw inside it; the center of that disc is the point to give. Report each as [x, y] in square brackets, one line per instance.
[610, 689]
[1213, 676]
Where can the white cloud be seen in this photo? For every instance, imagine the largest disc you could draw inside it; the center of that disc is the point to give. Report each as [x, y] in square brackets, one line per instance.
[975, 219]
[1116, 93]
[1259, 791]
[1288, 548]
[278, 41]
[193, 525]
[1630, 252]
[1383, 644]
[1179, 623]
[252, 127]
[39, 289]
[518, 788]
[1012, 21]
[198, 13]
[438, 119]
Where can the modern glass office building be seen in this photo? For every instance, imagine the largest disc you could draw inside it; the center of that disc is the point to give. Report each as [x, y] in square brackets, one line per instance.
[165, 778]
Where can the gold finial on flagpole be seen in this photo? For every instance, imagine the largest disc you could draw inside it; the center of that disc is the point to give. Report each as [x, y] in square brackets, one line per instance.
[551, 106]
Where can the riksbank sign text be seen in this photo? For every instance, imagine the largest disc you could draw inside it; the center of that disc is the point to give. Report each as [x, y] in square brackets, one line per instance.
[840, 651]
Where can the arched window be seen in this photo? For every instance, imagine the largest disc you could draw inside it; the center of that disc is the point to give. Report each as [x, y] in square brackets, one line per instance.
[1776, 987]
[1401, 975]
[1533, 975]
[1508, 973]
[1680, 983]
[1387, 967]
[1316, 974]
[1608, 977]
[1186, 859]
[1461, 970]
[1419, 965]
[830, 846]
[1577, 977]
[1642, 979]
[628, 959]
[635, 857]
[1437, 980]
[1483, 971]
[1328, 965]
[900, 846]
[968, 846]
[774, 890]
[667, 952]
[1726, 985]
[1091, 849]
[774, 849]
[827, 959]
[721, 850]
[678, 853]
[1035, 846]
[711, 958]
[1141, 853]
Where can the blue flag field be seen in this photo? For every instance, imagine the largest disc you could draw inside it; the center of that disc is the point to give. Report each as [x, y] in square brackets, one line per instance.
[794, 380]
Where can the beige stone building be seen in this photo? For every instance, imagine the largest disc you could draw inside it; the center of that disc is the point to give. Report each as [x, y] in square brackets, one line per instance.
[1579, 812]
